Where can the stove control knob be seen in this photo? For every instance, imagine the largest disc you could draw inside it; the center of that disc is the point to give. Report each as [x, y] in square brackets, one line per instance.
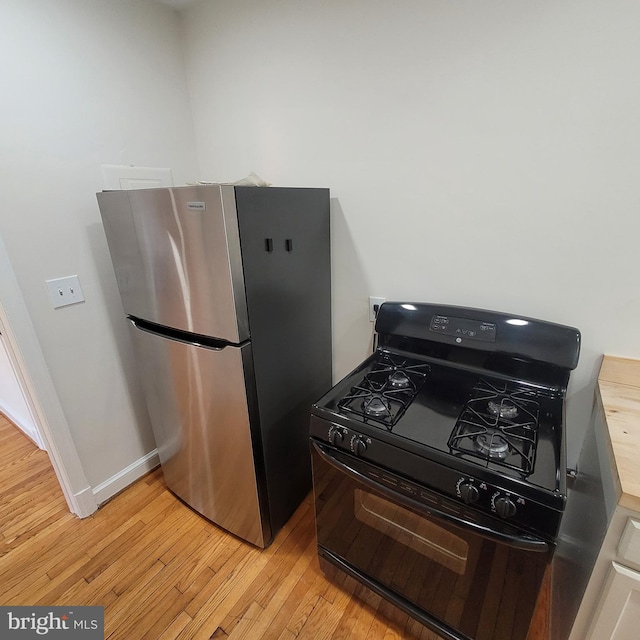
[337, 434]
[469, 492]
[359, 444]
[505, 507]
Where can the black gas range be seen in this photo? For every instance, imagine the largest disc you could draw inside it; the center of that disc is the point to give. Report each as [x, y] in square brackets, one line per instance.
[458, 418]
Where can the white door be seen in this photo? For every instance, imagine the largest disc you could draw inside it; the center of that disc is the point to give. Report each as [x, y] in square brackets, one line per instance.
[618, 614]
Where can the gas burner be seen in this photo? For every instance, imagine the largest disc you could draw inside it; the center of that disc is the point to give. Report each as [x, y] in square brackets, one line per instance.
[392, 372]
[492, 445]
[386, 389]
[502, 408]
[399, 380]
[506, 400]
[499, 425]
[376, 406]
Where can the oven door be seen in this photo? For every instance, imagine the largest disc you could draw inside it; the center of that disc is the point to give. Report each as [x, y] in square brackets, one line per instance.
[457, 574]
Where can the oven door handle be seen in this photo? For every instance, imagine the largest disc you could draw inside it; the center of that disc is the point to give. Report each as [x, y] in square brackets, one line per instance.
[524, 542]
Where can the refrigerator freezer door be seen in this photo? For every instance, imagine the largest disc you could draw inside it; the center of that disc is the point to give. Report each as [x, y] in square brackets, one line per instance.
[197, 400]
[176, 254]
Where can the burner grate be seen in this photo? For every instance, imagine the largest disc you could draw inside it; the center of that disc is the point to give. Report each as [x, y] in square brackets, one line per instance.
[499, 425]
[386, 390]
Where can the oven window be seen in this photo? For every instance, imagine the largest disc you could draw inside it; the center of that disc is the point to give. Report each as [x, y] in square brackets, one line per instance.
[410, 530]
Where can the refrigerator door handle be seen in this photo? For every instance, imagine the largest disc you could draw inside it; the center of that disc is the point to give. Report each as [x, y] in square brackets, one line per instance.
[181, 336]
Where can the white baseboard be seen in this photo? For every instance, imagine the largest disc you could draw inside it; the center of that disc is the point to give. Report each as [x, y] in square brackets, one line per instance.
[124, 478]
[84, 503]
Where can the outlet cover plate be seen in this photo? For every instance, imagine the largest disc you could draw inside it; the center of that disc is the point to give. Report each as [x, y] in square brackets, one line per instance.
[374, 302]
[64, 291]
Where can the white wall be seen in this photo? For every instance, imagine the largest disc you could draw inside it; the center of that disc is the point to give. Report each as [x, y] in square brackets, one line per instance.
[479, 153]
[85, 82]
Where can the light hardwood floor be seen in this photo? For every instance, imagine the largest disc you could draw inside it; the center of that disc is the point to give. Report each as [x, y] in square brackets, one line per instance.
[163, 572]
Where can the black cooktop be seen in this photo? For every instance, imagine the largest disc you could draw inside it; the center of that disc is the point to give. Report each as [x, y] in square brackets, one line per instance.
[511, 427]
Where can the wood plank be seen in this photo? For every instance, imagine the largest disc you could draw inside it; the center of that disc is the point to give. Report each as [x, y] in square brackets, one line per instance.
[176, 626]
[620, 371]
[621, 404]
[270, 618]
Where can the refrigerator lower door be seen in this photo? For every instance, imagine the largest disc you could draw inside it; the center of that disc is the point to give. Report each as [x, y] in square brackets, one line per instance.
[197, 400]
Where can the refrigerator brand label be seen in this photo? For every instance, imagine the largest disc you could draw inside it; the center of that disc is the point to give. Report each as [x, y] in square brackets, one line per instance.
[196, 206]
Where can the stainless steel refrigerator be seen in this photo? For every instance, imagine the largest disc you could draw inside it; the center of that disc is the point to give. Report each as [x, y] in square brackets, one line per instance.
[227, 291]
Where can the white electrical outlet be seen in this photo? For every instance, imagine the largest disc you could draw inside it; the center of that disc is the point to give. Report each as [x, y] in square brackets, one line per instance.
[64, 291]
[374, 305]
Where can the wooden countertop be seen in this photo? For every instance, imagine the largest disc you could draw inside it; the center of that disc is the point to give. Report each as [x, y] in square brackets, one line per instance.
[619, 386]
